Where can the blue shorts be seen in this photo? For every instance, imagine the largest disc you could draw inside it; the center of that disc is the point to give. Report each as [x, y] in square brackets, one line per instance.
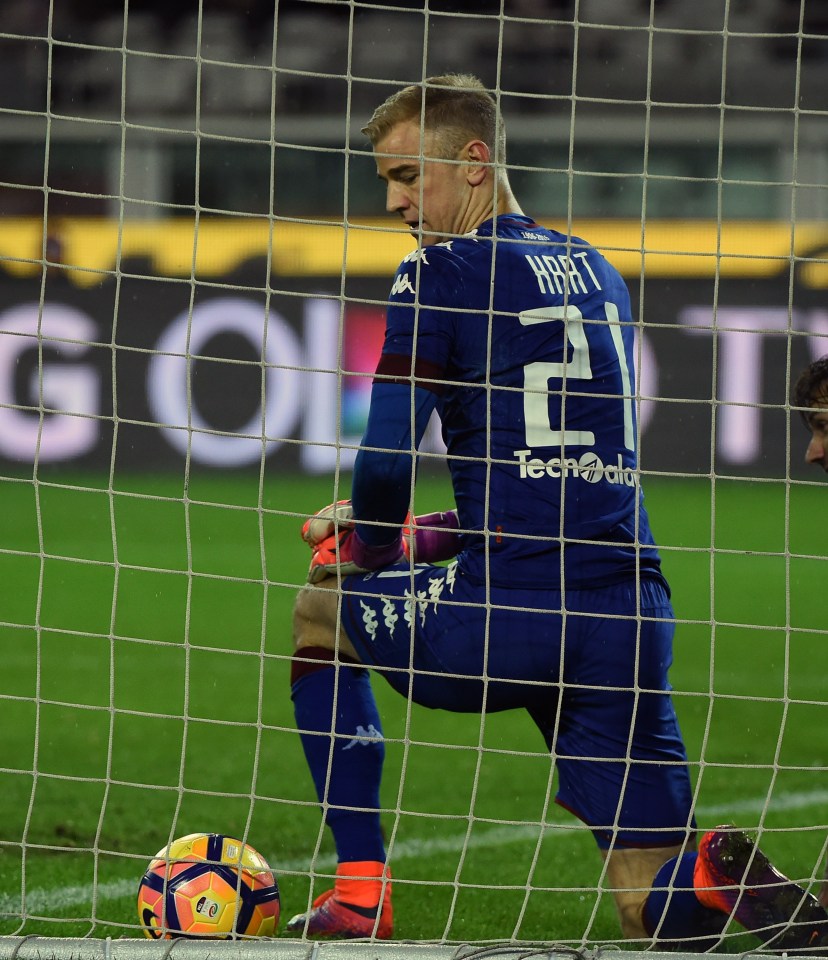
[593, 678]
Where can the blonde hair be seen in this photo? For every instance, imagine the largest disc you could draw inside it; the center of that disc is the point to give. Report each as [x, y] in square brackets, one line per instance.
[458, 108]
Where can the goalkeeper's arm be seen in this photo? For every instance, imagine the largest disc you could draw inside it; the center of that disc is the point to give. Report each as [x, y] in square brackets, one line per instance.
[366, 533]
[385, 465]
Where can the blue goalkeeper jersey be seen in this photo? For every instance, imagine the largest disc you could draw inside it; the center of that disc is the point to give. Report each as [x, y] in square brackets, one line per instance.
[524, 343]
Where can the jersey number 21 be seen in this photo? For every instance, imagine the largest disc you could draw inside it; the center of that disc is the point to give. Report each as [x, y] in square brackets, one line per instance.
[536, 377]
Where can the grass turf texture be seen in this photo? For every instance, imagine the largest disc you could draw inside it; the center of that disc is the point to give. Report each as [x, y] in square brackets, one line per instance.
[99, 768]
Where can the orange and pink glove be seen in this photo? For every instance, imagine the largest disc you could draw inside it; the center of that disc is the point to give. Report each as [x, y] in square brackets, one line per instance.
[337, 548]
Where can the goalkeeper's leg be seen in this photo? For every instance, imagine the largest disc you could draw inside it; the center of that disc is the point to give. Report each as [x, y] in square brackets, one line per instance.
[341, 736]
[693, 895]
[670, 914]
[622, 764]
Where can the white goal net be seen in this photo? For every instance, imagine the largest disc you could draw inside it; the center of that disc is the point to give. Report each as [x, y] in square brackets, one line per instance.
[194, 262]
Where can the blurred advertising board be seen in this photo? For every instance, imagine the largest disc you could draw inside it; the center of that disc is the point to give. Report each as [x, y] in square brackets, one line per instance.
[150, 344]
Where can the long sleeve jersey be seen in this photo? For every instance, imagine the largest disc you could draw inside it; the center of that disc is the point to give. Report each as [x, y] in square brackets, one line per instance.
[523, 340]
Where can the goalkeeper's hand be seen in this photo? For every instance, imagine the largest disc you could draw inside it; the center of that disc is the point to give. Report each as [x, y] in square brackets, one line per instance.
[336, 517]
[334, 555]
[432, 537]
[328, 533]
[337, 548]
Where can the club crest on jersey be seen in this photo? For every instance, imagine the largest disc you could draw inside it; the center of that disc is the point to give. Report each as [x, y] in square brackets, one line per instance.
[402, 284]
[588, 467]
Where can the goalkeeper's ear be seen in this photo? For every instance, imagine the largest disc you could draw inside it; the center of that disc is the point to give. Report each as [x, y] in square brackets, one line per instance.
[478, 160]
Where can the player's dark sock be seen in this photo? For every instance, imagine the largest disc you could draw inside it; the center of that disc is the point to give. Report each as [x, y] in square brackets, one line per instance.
[672, 913]
[358, 750]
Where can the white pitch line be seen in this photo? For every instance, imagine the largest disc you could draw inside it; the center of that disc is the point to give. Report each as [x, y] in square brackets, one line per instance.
[39, 901]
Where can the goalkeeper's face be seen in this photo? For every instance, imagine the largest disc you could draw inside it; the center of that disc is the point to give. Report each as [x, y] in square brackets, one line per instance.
[435, 197]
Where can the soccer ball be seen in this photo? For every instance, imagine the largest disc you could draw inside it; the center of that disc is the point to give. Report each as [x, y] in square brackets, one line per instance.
[208, 885]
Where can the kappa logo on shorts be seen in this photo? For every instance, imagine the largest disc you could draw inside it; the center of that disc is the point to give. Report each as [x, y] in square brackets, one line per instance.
[414, 604]
[389, 614]
[436, 585]
[415, 601]
[369, 618]
[451, 575]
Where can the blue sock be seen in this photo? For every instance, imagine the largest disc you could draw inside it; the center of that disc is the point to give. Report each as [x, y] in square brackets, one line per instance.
[673, 912]
[358, 751]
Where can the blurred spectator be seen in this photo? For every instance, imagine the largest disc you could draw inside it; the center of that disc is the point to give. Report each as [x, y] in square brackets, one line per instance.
[531, 49]
[23, 55]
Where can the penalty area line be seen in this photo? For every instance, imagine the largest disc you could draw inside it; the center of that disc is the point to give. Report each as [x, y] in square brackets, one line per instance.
[39, 900]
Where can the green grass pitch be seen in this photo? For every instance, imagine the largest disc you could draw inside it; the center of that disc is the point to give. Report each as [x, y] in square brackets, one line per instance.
[145, 643]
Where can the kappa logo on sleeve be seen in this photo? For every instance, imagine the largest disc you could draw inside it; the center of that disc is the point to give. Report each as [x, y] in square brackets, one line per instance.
[415, 255]
[402, 284]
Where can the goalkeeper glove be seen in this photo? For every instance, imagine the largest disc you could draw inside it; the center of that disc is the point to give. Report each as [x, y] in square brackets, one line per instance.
[325, 522]
[338, 548]
[432, 537]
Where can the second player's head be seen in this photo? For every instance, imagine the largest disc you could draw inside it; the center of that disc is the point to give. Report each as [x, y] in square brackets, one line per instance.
[811, 396]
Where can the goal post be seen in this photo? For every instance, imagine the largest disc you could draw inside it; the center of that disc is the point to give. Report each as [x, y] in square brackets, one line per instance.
[44, 948]
[194, 267]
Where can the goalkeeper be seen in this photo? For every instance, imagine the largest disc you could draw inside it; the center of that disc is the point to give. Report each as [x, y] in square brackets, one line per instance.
[554, 601]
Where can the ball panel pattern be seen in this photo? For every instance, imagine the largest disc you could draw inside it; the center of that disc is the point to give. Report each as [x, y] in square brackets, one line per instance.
[208, 885]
